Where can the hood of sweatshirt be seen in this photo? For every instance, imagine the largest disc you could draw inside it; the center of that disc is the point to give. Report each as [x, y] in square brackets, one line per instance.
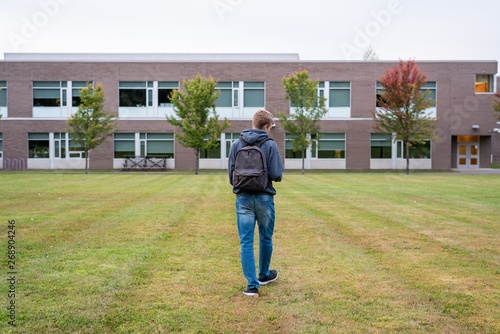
[252, 136]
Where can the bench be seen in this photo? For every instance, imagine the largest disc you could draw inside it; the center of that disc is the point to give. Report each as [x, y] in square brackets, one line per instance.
[144, 163]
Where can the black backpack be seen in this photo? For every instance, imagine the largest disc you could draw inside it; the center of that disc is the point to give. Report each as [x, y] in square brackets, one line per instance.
[250, 167]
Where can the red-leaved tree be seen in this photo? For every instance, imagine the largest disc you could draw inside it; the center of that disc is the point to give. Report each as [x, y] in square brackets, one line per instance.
[403, 107]
[496, 105]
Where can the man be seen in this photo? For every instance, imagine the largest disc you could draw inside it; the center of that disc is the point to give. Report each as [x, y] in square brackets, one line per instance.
[257, 207]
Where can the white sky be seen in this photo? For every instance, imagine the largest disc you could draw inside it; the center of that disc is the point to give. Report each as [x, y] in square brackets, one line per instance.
[315, 29]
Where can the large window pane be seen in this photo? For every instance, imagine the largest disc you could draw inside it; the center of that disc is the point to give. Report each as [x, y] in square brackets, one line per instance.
[253, 94]
[381, 146]
[253, 98]
[46, 93]
[157, 144]
[213, 153]
[331, 146]
[132, 93]
[3, 93]
[417, 150]
[132, 97]
[340, 94]
[289, 152]
[431, 87]
[340, 98]
[76, 95]
[124, 145]
[165, 89]
[38, 145]
[225, 98]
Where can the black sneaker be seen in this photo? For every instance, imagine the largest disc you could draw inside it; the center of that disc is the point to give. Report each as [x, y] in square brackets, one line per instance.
[251, 291]
[273, 276]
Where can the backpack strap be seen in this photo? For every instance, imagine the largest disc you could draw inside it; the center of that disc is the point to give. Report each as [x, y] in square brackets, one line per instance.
[263, 141]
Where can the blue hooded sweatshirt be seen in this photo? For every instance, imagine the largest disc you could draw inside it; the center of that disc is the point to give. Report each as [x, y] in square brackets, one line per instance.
[274, 163]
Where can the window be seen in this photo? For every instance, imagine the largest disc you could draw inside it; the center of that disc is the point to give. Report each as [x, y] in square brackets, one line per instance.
[49, 93]
[124, 145]
[431, 87]
[289, 152]
[381, 146]
[157, 144]
[417, 150]
[213, 153]
[340, 94]
[38, 145]
[230, 138]
[328, 146]
[1, 146]
[379, 91]
[136, 93]
[65, 148]
[76, 96]
[57, 93]
[228, 96]
[484, 83]
[253, 94]
[60, 145]
[149, 144]
[3, 93]
[165, 88]
[324, 146]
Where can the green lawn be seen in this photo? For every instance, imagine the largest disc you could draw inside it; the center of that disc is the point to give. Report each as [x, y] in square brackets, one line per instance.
[158, 253]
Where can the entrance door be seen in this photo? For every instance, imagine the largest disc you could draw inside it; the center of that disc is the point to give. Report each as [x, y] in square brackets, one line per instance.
[468, 152]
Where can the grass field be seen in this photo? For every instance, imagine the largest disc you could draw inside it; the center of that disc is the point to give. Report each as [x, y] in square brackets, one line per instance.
[158, 253]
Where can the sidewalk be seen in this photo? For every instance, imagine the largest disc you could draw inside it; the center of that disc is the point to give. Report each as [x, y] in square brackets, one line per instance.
[477, 171]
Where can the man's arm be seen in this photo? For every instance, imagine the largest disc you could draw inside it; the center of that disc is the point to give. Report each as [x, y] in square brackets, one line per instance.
[275, 166]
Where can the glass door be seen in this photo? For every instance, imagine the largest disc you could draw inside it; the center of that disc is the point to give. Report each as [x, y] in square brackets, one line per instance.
[468, 152]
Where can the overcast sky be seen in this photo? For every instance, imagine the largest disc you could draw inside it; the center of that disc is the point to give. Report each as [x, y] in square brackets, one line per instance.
[315, 29]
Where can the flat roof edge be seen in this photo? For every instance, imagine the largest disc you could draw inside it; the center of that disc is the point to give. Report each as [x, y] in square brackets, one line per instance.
[151, 57]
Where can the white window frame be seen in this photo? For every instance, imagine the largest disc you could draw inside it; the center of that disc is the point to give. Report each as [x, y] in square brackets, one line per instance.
[66, 91]
[4, 111]
[431, 112]
[151, 107]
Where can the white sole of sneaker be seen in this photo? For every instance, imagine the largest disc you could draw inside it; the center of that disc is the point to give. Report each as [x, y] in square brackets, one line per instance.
[267, 282]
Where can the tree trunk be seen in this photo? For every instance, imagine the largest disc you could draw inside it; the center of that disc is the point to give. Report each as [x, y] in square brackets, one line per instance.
[303, 161]
[197, 167]
[86, 161]
[407, 157]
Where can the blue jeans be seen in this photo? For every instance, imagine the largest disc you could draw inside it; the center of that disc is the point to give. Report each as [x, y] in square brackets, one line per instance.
[251, 209]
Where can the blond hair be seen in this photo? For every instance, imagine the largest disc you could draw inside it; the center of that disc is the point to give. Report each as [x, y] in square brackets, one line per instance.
[261, 118]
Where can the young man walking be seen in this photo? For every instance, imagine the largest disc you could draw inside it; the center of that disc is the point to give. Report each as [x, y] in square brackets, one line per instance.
[257, 206]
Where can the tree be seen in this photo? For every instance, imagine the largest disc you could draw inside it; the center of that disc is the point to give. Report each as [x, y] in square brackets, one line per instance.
[496, 104]
[306, 109]
[403, 107]
[196, 115]
[90, 125]
[370, 54]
